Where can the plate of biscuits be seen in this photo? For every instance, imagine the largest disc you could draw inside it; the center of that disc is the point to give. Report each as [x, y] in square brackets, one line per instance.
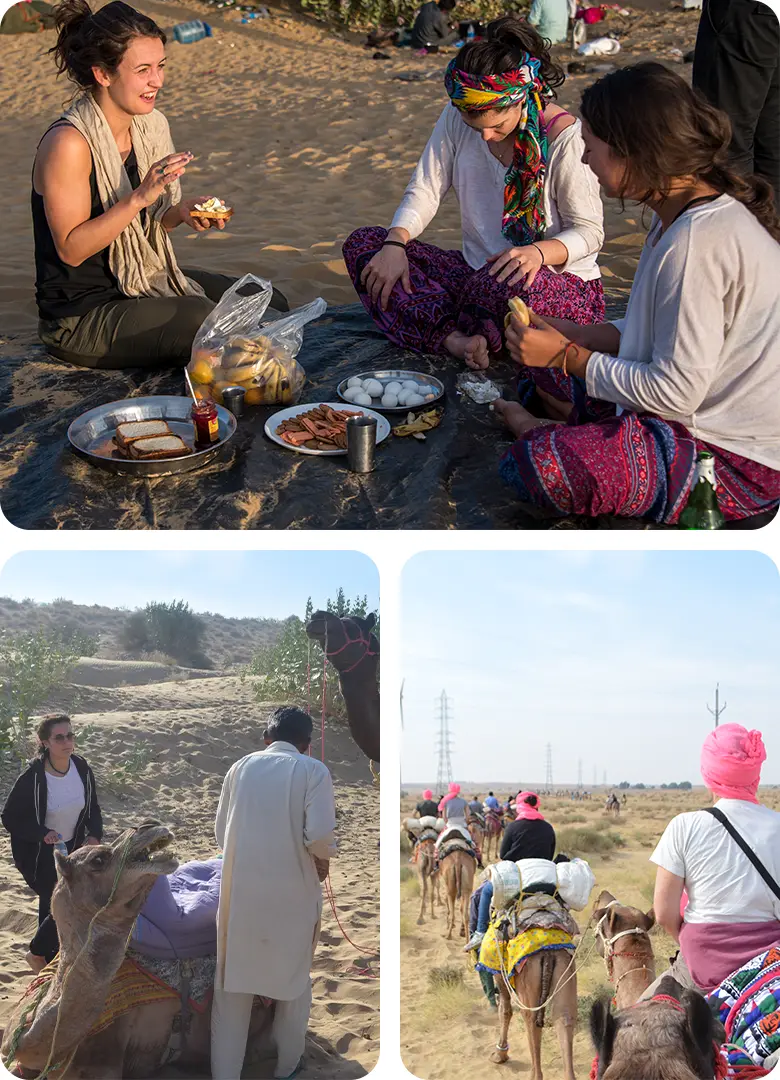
[146, 436]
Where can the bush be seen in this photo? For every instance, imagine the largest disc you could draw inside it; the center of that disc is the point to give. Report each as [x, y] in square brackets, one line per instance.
[33, 666]
[172, 629]
[356, 14]
[439, 977]
[588, 841]
[291, 669]
[76, 640]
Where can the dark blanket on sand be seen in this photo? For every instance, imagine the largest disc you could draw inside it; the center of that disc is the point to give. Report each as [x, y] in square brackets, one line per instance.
[449, 481]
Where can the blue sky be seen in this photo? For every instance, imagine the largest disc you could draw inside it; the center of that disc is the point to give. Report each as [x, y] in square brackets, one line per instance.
[239, 584]
[610, 657]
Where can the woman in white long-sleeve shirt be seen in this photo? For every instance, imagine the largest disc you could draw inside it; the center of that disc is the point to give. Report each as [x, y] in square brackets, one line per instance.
[695, 363]
[531, 214]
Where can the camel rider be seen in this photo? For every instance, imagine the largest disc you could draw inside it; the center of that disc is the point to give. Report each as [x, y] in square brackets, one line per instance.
[492, 803]
[529, 836]
[427, 807]
[485, 977]
[733, 913]
[275, 823]
[475, 806]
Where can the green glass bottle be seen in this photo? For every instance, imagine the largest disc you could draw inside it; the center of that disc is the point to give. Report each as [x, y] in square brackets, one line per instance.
[702, 510]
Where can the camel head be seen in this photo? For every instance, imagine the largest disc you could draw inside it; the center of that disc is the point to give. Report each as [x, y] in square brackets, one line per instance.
[673, 1036]
[129, 868]
[346, 641]
[610, 918]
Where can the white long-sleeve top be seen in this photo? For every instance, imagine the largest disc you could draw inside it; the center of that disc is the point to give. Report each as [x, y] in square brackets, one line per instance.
[700, 341]
[457, 157]
[275, 812]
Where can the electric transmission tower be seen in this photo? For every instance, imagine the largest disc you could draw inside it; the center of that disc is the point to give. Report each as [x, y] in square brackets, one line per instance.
[548, 775]
[716, 712]
[444, 744]
[595, 776]
[605, 778]
[579, 774]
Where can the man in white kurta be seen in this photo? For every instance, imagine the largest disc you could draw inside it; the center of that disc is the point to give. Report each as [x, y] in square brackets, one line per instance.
[275, 824]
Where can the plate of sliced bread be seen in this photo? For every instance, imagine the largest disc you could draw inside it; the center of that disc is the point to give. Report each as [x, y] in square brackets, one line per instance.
[145, 436]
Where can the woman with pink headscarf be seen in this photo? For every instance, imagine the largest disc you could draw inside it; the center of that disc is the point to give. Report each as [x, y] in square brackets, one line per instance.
[732, 914]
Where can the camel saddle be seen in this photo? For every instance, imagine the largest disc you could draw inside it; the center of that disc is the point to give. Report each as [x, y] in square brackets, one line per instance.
[427, 834]
[454, 840]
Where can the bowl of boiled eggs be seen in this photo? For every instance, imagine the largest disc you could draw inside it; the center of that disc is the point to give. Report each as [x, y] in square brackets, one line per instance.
[391, 391]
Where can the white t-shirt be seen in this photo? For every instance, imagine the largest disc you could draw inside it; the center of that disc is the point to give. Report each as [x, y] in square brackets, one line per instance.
[700, 341]
[64, 802]
[722, 883]
[457, 157]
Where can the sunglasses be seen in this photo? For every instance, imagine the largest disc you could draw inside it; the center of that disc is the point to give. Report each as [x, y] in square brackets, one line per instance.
[68, 736]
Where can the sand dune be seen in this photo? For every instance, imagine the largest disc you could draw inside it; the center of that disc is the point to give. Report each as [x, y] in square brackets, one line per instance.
[191, 732]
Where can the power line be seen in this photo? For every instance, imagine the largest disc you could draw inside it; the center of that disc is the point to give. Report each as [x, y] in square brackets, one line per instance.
[444, 744]
[719, 709]
[579, 774]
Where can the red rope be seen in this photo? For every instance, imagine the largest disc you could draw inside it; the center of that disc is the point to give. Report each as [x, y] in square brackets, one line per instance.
[331, 897]
[324, 701]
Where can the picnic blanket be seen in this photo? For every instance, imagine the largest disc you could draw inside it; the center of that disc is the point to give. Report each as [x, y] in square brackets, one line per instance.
[179, 918]
[748, 1005]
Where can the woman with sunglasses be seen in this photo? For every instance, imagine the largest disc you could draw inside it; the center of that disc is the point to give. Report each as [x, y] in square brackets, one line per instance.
[54, 799]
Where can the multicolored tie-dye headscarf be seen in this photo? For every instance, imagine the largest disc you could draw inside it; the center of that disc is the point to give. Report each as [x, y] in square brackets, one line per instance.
[523, 220]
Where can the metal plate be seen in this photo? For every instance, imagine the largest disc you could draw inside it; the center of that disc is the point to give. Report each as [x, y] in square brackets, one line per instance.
[91, 435]
[396, 376]
[273, 422]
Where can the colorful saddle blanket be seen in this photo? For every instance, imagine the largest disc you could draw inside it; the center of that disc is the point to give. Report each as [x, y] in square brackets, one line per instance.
[498, 956]
[748, 1005]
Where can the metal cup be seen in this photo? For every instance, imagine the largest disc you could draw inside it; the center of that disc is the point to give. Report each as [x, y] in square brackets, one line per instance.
[233, 399]
[361, 443]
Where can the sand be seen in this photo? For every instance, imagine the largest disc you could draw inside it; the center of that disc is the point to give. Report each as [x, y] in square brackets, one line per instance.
[190, 733]
[453, 1034]
[302, 153]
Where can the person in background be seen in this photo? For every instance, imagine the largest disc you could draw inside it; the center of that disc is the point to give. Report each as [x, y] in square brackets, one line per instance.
[275, 823]
[732, 914]
[427, 807]
[529, 836]
[432, 25]
[550, 18]
[54, 799]
[492, 803]
[475, 805]
[736, 66]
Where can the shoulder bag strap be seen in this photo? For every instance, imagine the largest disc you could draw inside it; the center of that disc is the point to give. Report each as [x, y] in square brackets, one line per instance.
[721, 817]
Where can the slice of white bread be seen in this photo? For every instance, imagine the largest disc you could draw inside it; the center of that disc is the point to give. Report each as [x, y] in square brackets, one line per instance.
[158, 446]
[139, 429]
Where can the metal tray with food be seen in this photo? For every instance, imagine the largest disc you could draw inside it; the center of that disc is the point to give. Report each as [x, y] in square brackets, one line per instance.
[323, 427]
[392, 388]
[93, 435]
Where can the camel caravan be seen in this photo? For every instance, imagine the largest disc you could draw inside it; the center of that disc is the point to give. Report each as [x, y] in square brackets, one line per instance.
[713, 1015]
[155, 961]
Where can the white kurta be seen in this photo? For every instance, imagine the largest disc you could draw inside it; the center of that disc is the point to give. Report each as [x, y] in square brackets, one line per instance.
[275, 812]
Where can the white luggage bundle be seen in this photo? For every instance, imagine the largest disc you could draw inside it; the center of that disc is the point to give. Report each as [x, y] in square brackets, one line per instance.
[430, 822]
[573, 880]
[413, 824]
[575, 883]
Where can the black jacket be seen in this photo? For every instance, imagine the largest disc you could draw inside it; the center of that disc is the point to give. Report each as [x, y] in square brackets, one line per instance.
[24, 815]
[524, 839]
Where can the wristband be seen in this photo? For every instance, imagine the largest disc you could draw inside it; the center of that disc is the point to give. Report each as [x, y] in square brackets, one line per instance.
[394, 243]
[540, 251]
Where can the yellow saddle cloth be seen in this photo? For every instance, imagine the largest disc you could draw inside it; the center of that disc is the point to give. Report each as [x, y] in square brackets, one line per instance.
[496, 955]
[130, 988]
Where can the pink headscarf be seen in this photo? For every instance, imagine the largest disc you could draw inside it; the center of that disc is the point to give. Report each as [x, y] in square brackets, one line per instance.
[731, 760]
[453, 791]
[526, 812]
[428, 794]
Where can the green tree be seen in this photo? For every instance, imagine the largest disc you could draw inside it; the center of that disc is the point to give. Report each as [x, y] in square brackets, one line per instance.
[74, 638]
[168, 628]
[32, 668]
[686, 785]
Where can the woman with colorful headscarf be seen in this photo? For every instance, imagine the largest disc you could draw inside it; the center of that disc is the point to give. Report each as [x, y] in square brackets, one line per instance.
[531, 214]
[732, 914]
[613, 416]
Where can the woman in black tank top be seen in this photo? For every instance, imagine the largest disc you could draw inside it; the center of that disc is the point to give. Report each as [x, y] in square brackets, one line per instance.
[118, 56]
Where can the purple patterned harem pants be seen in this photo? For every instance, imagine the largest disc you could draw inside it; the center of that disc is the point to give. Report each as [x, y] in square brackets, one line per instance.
[634, 465]
[447, 295]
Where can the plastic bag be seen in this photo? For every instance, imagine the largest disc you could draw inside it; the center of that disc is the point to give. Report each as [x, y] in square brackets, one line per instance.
[536, 872]
[507, 883]
[235, 348]
[575, 883]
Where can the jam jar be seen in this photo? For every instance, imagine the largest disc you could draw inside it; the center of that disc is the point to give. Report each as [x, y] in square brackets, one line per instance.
[206, 423]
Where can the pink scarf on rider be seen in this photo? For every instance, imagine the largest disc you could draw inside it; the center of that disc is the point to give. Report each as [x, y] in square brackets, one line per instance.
[453, 792]
[428, 794]
[731, 761]
[526, 812]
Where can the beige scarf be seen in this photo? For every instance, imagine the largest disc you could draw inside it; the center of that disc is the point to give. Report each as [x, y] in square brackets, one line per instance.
[141, 258]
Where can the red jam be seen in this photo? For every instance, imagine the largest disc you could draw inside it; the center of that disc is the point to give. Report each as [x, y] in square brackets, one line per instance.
[206, 422]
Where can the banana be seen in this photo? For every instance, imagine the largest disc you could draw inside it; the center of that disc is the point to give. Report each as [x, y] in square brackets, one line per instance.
[519, 308]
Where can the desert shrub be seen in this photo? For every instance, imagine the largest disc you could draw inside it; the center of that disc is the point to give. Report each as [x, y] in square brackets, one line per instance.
[406, 874]
[128, 768]
[292, 669]
[579, 841]
[357, 14]
[32, 668]
[407, 927]
[172, 629]
[75, 639]
[439, 977]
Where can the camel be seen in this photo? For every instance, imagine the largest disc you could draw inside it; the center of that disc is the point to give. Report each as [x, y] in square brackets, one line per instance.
[457, 868]
[623, 939]
[476, 826]
[671, 1039]
[105, 887]
[612, 805]
[537, 982]
[354, 651]
[494, 828]
[428, 875]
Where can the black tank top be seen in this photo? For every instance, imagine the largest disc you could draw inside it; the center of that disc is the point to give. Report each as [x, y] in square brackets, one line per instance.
[62, 290]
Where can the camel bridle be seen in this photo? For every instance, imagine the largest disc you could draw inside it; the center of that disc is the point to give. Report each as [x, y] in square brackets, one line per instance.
[362, 640]
[610, 952]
